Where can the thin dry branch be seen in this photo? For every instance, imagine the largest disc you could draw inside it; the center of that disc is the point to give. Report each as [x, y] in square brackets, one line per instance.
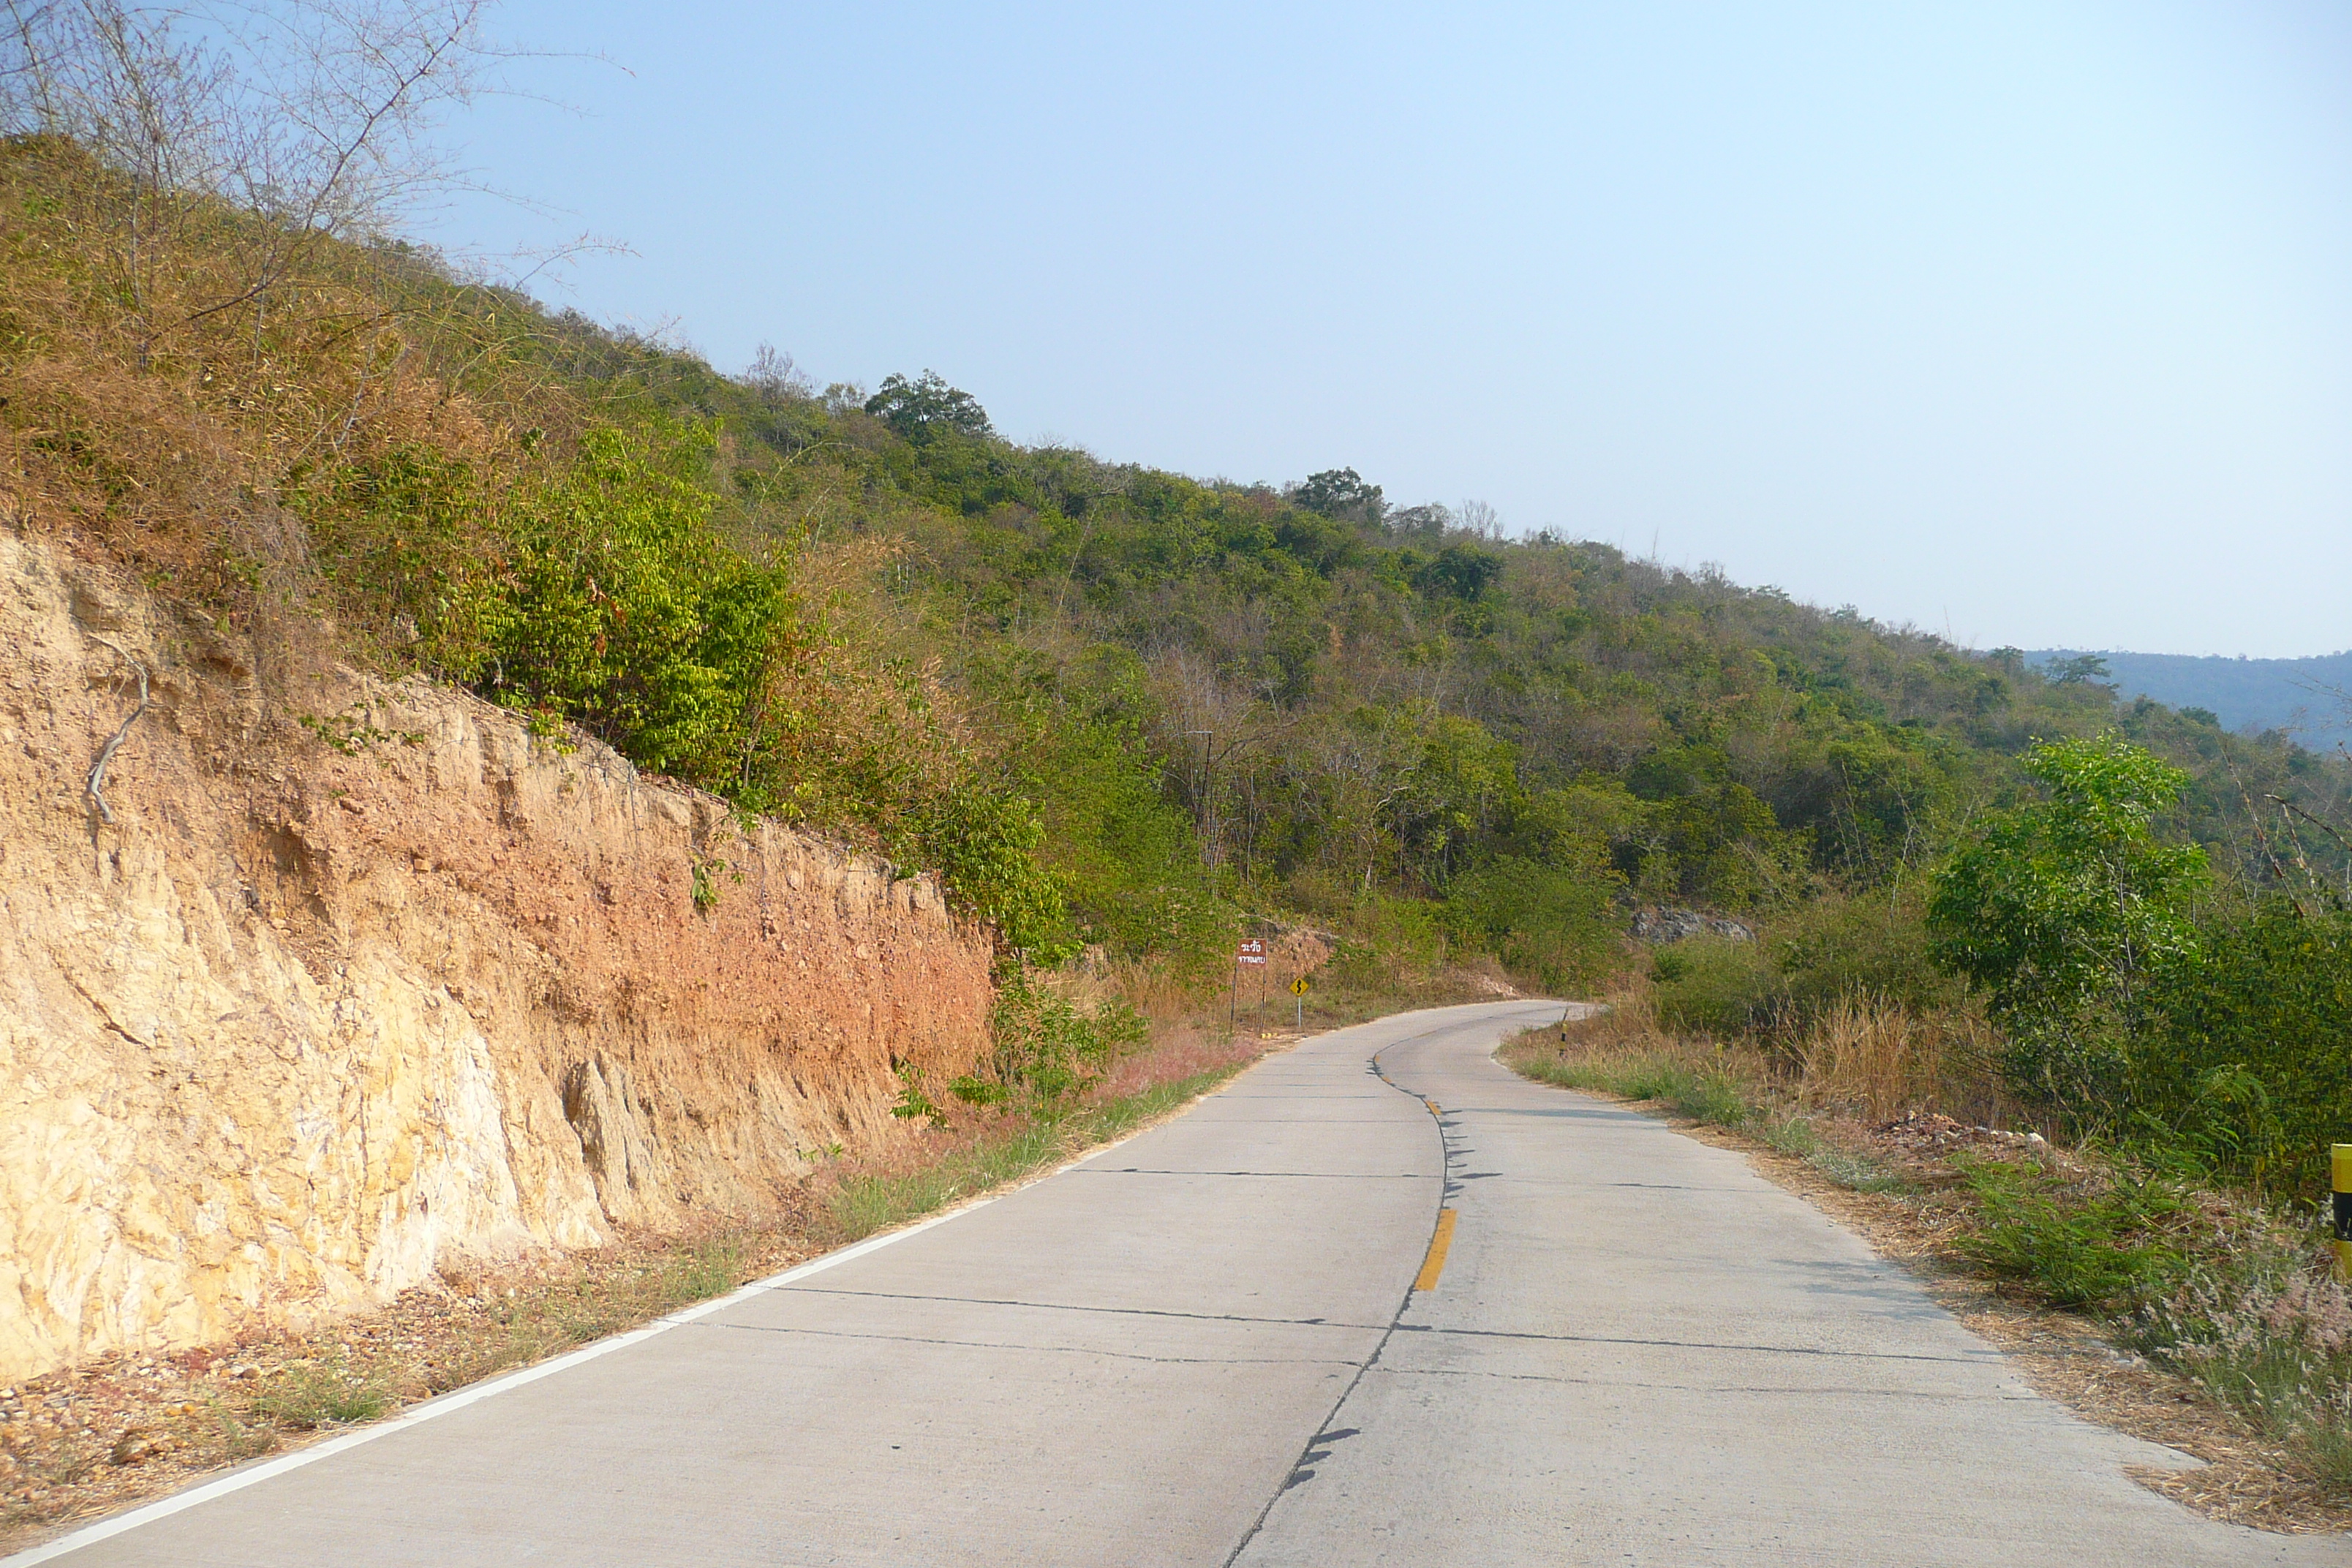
[95, 785]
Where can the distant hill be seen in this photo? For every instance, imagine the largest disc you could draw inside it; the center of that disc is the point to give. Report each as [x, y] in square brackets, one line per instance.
[2294, 694]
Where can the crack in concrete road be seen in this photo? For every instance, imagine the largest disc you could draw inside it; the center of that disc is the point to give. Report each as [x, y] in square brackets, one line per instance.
[1080, 1307]
[1989, 1357]
[1303, 1470]
[1814, 1391]
[1307, 1175]
[1040, 1349]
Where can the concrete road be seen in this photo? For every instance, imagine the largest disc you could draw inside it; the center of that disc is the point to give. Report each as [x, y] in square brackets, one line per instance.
[1203, 1346]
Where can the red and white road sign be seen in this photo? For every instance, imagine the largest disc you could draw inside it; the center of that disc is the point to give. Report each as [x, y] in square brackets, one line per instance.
[1253, 951]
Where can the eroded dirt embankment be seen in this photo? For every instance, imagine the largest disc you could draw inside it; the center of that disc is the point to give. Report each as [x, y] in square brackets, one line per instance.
[362, 976]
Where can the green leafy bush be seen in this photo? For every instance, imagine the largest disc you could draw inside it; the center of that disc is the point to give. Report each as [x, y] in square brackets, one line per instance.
[2101, 1250]
[1124, 852]
[408, 542]
[985, 840]
[1554, 923]
[1807, 961]
[628, 616]
[1715, 985]
[1838, 946]
[1048, 1050]
[2247, 1056]
[2064, 910]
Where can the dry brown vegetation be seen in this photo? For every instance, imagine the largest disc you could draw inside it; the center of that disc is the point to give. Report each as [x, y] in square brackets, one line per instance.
[1860, 1056]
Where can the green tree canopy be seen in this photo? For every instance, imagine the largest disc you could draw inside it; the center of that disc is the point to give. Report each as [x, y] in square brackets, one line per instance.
[922, 408]
[2063, 908]
[1340, 493]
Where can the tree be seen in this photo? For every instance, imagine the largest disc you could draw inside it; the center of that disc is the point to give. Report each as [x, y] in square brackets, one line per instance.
[2079, 670]
[927, 406]
[2065, 908]
[2244, 1056]
[1460, 571]
[318, 118]
[1429, 523]
[1340, 493]
[776, 379]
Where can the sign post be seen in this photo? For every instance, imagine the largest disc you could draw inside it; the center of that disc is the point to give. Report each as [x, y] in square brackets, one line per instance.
[1298, 989]
[2339, 1170]
[1251, 952]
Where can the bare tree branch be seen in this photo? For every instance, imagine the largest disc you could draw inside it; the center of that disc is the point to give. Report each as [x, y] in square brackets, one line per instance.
[95, 785]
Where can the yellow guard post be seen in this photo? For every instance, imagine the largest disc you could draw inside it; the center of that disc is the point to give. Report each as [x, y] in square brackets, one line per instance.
[2339, 1172]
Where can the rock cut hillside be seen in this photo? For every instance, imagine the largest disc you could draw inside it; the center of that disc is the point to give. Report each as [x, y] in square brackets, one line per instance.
[363, 977]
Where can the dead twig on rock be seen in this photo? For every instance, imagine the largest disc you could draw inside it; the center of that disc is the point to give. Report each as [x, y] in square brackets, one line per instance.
[95, 786]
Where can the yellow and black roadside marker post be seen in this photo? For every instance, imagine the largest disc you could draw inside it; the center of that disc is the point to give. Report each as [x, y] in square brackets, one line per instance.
[2340, 1174]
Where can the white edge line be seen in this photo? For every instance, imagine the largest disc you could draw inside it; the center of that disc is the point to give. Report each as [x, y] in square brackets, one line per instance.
[163, 1508]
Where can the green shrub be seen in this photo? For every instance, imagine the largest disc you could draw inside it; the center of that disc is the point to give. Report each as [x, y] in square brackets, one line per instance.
[1714, 985]
[2247, 1058]
[1048, 1051]
[1557, 924]
[1792, 1135]
[2065, 910]
[1711, 1097]
[1840, 946]
[318, 1394]
[985, 840]
[2104, 1251]
[1123, 851]
[627, 614]
[408, 543]
[1807, 961]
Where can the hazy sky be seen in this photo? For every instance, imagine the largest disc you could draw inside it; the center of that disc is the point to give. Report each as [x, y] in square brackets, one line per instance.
[2030, 321]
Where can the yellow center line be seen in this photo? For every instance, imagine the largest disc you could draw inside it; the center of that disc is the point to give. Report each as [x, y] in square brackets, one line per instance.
[1435, 1264]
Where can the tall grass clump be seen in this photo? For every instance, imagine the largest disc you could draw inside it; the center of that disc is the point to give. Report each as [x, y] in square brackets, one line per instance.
[2267, 1331]
[1882, 1059]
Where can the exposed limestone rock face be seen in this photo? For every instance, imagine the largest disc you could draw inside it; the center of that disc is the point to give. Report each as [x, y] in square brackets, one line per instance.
[331, 1001]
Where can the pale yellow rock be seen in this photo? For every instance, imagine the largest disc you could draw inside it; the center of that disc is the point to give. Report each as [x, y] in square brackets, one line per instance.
[300, 1025]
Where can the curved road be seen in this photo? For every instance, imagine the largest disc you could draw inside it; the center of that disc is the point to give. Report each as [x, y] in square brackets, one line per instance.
[1204, 1346]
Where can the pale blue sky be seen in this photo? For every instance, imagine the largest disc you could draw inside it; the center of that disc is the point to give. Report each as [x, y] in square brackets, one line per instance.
[2028, 321]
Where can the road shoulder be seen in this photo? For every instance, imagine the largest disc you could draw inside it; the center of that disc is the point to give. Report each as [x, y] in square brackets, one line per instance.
[2242, 1478]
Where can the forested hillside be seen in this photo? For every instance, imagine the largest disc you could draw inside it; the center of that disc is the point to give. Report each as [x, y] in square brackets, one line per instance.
[1110, 705]
[2309, 697]
[1346, 705]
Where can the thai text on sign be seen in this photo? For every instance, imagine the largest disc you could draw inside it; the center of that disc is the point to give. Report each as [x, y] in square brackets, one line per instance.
[1253, 951]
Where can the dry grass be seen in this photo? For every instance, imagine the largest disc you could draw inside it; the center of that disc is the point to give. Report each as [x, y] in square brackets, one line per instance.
[92, 1438]
[1883, 1062]
[1179, 1052]
[1862, 1058]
